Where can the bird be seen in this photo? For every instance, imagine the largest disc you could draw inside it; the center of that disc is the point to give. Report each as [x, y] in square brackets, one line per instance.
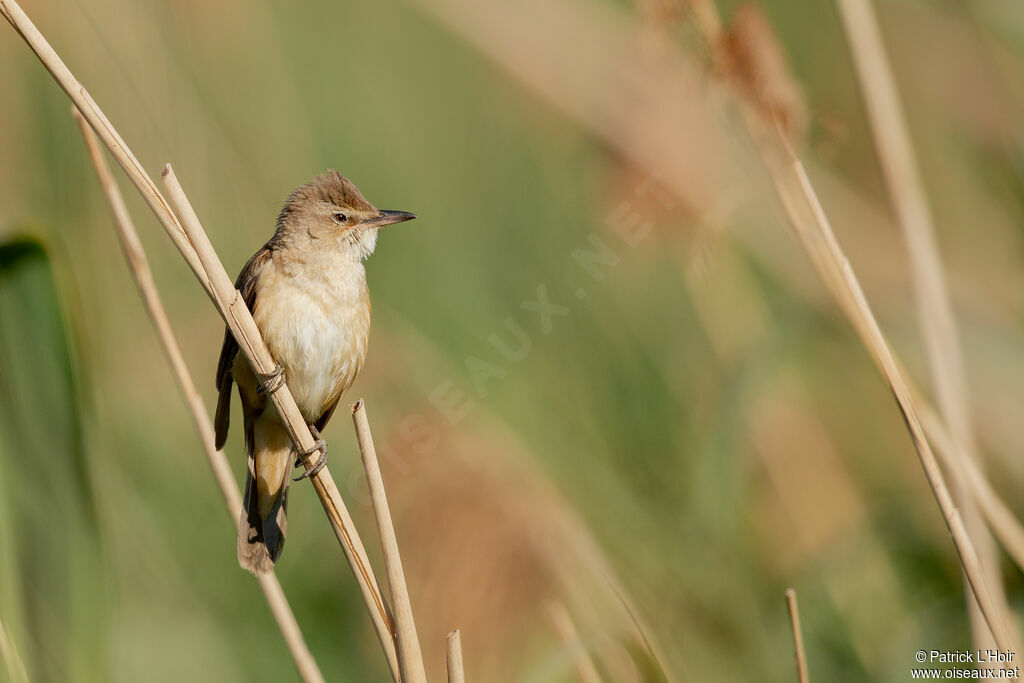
[306, 289]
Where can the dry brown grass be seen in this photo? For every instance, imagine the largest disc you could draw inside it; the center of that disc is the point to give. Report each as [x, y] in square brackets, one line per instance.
[752, 58]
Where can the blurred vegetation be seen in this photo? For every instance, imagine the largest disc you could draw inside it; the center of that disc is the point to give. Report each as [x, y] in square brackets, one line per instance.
[698, 423]
[50, 542]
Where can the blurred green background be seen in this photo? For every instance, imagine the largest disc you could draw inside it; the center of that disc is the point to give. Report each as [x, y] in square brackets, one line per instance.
[691, 431]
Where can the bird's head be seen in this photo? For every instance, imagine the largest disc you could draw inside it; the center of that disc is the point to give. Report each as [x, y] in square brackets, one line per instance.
[332, 210]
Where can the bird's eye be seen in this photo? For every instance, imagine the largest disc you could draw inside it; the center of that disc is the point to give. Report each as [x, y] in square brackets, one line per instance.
[340, 217]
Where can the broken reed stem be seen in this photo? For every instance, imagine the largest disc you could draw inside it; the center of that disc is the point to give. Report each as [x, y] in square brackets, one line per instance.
[798, 637]
[453, 652]
[139, 265]
[239, 320]
[410, 659]
[586, 670]
[16, 671]
[939, 331]
[324, 485]
[815, 234]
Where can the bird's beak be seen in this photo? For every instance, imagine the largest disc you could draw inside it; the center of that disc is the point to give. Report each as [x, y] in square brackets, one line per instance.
[388, 217]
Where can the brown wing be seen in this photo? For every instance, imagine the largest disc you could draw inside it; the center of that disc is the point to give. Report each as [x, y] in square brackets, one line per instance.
[322, 422]
[248, 284]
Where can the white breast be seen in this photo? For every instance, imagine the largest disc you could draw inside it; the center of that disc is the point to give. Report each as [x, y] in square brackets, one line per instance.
[315, 319]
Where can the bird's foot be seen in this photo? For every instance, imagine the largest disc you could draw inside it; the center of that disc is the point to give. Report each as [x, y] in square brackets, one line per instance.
[319, 446]
[272, 382]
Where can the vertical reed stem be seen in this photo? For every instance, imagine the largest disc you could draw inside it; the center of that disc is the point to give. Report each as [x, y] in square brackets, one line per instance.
[798, 638]
[410, 659]
[453, 646]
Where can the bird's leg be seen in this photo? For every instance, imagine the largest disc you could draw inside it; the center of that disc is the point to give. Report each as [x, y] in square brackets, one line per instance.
[319, 446]
[272, 382]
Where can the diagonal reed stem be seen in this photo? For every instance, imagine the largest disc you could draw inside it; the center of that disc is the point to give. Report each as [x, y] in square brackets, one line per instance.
[1004, 524]
[239, 320]
[586, 670]
[16, 672]
[139, 265]
[230, 305]
[812, 229]
[939, 331]
[410, 659]
[815, 234]
[798, 636]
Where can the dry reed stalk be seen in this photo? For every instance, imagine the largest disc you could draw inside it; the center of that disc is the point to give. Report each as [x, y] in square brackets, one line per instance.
[586, 670]
[815, 234]
[794, 189]
[939, 330]
[752, 58]
[324, 485]
[16, 671]
[813, 231]
[139, 265]
[1004, 524]
[410, 659]
[453, 649]
[798, 637]
[239, 320]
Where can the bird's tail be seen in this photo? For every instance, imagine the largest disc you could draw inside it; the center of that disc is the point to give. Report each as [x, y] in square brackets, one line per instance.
[264, 520]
